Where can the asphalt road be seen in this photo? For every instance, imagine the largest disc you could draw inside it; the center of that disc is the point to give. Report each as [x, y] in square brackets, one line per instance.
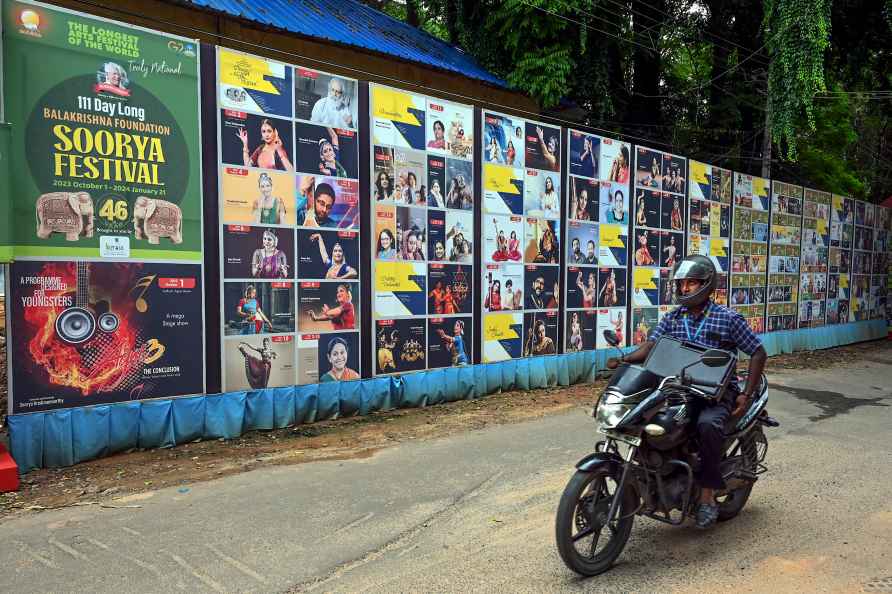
[474, 512]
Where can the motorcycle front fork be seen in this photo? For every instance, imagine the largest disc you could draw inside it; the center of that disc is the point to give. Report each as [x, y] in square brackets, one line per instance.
[617, 494]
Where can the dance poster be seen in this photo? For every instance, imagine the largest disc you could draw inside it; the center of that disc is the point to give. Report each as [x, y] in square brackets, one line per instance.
[289, 223]
[660, 220]
[102, 332]
[749, 249]
[424, 237]
[104, 137]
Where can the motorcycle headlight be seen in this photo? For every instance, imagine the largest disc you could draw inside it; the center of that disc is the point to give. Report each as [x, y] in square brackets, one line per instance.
[611, 410]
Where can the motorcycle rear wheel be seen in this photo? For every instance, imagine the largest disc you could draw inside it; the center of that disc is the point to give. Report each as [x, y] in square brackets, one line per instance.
[732, 504]
[581, 511]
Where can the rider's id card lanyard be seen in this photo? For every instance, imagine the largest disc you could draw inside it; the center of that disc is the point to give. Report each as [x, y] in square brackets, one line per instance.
[687, 328]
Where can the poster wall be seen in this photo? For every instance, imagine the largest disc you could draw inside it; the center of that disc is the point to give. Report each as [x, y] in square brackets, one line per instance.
[105, 142]
[879, 270]
[839, 279]
[522, 209]
[289, 223]
[814, 262]
[658, 238]
[784, 256]
[862, 262]
[423, 239]
[100, 332]
[709, 220]
[749, 249]
[597, 245]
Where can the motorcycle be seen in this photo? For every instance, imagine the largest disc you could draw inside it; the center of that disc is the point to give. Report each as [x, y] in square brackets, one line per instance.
[648, 460]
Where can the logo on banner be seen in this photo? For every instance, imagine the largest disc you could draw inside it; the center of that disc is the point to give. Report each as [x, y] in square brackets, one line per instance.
[30, 22]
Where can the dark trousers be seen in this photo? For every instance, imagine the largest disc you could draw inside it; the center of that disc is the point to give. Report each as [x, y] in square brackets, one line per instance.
[711, 433]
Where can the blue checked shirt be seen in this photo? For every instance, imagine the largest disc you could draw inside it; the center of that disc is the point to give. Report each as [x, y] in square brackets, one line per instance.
[722, 328]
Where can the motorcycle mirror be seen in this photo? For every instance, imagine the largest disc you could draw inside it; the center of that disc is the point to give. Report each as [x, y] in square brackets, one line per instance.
[715, 358]
[611, 337]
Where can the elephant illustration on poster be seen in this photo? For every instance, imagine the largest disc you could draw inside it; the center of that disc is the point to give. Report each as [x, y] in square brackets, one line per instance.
[70, 213]
[154, 219]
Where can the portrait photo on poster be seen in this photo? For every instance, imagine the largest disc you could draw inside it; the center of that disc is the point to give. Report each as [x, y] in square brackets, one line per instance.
[250, 140]
[503, 286]
[541, 286]
[543, 147]
[258, 307]
[258, 362]
[542, 241]
[327, 202]
[612, 287]
[410, 183]
[411, 233]
[327, 306]
[338, 356]
[580, 332]
[503, 140]
[450, 236]
[616, 161]
[258, 252]
[450, 129]
[644, 320]
[673, 174]
[542, 194]
[449, 341]
[540, 333]
[256, 197]
[611, 319]
[450, 289]
[582, 199]
[582, 287]
[325, 99]
[400, 345]
[329, 255]
[582, 241]
[502, 238]
[331, 152]
[614, 204]
[649, 169]
[585, 154]
[459, 184]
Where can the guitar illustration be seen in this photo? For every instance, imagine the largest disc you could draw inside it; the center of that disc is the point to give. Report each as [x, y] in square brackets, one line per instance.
[77, 324]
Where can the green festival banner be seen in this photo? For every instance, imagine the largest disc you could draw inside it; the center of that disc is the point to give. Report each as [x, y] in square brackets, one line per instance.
[5, 230]
[104, 138]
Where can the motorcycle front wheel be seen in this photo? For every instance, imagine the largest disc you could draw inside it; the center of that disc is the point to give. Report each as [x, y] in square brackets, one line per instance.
[585, 543]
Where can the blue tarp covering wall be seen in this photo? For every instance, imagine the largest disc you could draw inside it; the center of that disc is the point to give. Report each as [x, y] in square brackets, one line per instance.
[66, 437]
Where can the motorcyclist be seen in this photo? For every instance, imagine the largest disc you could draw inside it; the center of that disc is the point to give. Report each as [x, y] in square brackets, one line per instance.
[701, 321]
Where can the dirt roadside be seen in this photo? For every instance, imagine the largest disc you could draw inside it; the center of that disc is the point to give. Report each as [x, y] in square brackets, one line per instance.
[106, 482]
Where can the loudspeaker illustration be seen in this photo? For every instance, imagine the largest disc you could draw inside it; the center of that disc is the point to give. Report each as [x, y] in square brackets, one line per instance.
[77, 324]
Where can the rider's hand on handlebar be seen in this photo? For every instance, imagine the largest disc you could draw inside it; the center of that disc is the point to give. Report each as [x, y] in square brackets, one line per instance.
[613, 363]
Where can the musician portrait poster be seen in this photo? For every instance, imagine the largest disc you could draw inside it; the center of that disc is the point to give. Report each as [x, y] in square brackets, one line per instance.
[105, 141]
[101, 332]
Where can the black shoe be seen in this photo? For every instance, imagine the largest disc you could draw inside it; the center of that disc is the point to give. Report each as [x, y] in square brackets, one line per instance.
[707, 514]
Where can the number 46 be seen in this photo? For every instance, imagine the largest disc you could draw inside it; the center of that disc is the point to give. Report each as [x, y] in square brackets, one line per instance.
[114, 210]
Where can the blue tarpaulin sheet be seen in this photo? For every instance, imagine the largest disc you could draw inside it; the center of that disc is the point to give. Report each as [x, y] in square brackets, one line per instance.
[66, 437]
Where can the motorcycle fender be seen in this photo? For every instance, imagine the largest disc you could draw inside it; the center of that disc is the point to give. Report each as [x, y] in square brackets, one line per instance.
[598, 459]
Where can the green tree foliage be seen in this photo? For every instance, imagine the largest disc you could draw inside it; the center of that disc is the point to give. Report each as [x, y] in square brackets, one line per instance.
[797, 34]
[697, 77]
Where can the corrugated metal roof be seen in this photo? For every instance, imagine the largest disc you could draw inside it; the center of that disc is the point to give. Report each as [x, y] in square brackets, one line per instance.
[352, 23]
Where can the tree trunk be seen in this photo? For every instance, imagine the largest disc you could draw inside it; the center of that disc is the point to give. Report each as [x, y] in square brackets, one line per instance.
[645, 104]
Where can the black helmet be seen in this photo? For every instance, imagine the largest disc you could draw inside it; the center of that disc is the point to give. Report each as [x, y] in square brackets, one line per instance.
[697, 268]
